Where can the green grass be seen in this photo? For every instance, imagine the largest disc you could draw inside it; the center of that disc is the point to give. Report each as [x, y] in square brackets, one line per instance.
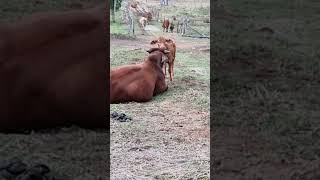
[123, 57]
[191, 79]
[118, 29]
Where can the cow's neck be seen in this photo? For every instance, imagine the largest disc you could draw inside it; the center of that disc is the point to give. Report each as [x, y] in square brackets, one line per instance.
[155, 60]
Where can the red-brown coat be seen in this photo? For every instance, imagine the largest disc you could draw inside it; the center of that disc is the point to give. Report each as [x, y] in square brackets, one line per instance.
[139, 82]
[170, 45]
[53, 71]
[165, 24]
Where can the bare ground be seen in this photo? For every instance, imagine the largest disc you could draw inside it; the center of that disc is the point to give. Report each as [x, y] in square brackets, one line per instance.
[264, 124]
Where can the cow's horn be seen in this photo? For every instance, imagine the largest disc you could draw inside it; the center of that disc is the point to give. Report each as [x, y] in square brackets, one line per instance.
[166, 51]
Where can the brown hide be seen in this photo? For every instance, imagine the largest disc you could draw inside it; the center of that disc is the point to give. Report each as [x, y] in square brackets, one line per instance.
[139, 82]
[168, 44]
[53, 71]
[165, 24]
[147, 15]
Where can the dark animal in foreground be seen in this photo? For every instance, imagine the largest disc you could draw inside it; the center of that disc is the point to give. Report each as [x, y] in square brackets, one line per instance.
[53, 71]
[139, 82]
[170, 45]
[165, 24]
[18, 170]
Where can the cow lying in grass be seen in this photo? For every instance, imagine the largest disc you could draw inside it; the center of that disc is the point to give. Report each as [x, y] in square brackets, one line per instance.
[139, 82]
[170, 45]
[53, 71]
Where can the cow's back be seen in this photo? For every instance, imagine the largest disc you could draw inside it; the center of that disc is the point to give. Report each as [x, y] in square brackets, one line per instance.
[60, 78]
[132, 83]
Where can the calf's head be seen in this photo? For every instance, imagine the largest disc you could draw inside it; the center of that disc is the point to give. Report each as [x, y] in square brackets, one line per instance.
[163, 43]
[154, 56]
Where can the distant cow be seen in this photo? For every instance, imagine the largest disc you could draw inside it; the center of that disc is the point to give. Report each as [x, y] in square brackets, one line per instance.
[147, 15]
[168, 44]
[165, 24]
[142, 23]
[171, 27]
[139, 82]
[53, 71]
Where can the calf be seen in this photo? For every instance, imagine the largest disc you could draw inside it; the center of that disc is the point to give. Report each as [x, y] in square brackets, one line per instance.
[165, 24]
[53, 71]
[147, 15]
[168, 44]
[139, 82]
[142, 23]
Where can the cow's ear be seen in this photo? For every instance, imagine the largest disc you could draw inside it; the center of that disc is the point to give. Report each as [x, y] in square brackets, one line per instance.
[153, 41]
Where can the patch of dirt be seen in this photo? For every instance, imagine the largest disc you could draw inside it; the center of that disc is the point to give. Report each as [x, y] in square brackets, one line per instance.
[160, 142]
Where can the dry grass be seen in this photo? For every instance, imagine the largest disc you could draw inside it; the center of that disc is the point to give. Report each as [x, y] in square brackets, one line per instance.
[265, 95]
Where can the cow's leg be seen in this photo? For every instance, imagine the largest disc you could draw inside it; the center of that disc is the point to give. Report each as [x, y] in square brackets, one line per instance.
[170, 72]
[172, 69]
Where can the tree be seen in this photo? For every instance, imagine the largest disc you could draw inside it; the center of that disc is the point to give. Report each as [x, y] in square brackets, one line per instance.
[114, 6]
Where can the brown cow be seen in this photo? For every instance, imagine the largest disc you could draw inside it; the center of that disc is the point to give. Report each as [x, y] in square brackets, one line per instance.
[53, 71]
[169, 44]
[147, 15]
[165, 24]
[139, 82]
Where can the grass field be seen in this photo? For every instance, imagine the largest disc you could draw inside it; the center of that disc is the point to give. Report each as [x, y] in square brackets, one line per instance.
[168, 137]
[71, 153]
[265, 90]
